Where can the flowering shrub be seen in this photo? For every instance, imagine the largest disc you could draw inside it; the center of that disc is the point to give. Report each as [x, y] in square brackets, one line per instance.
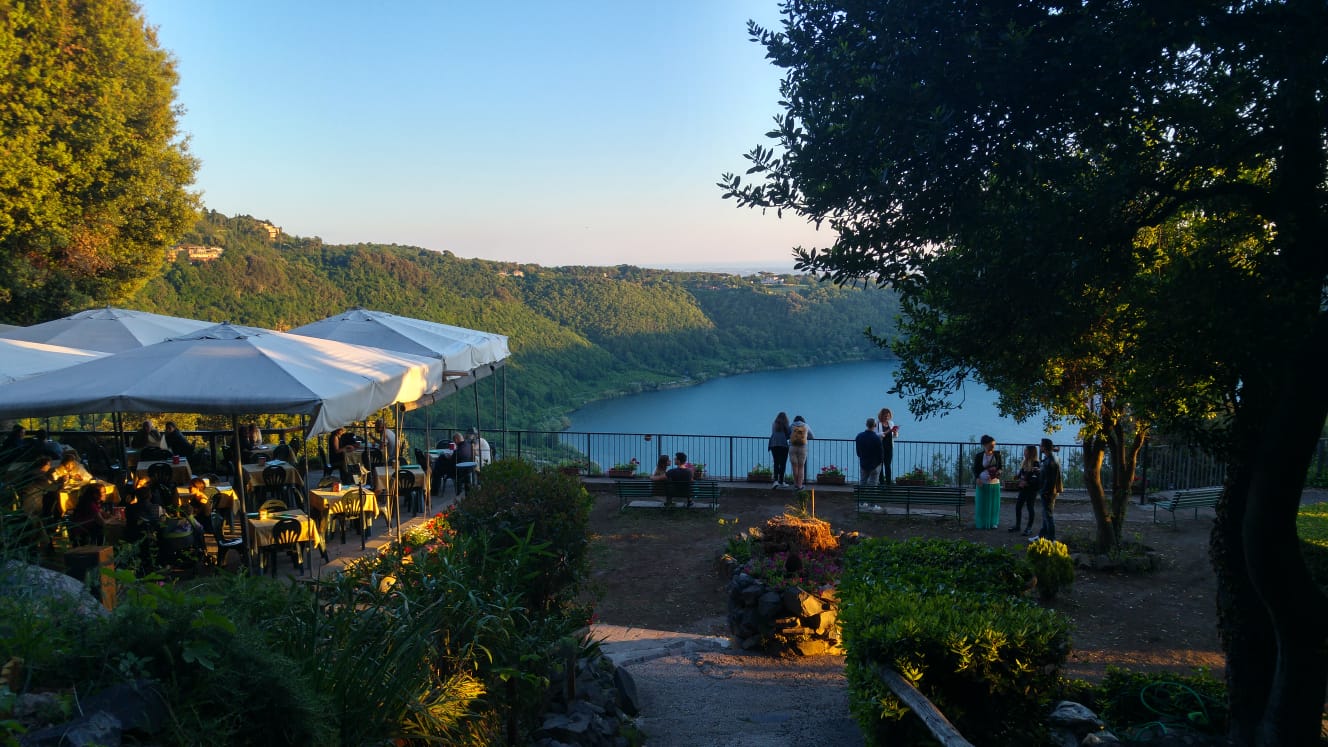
[815, 570]
[760, 470]
[1052, 565]
[831, 470]
[628, 466]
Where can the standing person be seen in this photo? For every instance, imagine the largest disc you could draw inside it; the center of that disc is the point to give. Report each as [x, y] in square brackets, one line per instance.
[870, 450]
[799, 435]
[779, 448]
[1052, 485]
[1030, 473]
[387, 441]
[885, 422]
[987, 496]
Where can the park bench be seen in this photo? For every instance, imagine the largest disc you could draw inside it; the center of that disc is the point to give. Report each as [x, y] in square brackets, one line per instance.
[909, 496]
[1195, 499]
[667, 494]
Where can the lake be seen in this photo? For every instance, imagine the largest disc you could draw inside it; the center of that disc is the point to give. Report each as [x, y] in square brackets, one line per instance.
[835, 400]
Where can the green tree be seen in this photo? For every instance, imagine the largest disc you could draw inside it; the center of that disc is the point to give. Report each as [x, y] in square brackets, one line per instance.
[92, 171]
[1130, 196]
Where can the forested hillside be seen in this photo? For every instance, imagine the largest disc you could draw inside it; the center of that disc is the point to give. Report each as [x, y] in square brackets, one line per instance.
[577, 333]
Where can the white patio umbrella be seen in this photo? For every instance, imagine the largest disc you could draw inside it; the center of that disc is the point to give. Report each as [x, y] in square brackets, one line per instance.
[20, 359]
[108, 330]
[461, 350]
[467, 354]
[233, 370]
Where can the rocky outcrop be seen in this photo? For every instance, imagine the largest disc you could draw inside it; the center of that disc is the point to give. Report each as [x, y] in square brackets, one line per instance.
[783, 621]
[594, 709]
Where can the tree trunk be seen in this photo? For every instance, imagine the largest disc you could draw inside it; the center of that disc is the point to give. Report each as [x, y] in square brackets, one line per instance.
[1272, 614]
[1094, 448]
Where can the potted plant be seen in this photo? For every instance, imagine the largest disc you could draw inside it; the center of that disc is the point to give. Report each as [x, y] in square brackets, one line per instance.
[698, 470]
[916, 477]
[831, 475]
[760, 473]
[624, 469]
[569, 467]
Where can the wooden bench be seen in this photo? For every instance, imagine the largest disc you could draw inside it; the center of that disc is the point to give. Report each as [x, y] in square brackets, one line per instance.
[666, 494]
[909, 496]
[1195, 499]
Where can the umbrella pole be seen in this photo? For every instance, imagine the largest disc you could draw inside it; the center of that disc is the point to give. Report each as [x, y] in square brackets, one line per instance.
[428, 468]
[240, 489]
[396, 467]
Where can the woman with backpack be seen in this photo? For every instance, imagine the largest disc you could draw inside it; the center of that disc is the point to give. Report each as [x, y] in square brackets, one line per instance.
[799, 435]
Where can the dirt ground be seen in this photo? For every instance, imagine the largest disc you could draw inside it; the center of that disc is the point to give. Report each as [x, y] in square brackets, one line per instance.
[660, 569]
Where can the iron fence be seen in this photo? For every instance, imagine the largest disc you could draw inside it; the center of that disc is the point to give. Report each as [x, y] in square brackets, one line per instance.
[1161, 466]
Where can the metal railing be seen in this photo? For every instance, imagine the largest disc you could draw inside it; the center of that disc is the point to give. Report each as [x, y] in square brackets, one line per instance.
[730, 457]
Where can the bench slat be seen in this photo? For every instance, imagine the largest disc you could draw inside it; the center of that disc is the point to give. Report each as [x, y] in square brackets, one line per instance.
[909, 496]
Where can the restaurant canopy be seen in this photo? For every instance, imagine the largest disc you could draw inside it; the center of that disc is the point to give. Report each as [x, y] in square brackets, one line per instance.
[20, 359]
[109, 330]
[230, 369]
[467, 354]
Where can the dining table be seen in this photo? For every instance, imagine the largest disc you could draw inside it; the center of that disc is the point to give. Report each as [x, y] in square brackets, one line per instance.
[180, 471]
[253, 474]
[260, 528]
[337, 502]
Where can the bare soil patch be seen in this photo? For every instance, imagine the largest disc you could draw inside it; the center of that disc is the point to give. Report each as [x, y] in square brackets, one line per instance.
[660, 569]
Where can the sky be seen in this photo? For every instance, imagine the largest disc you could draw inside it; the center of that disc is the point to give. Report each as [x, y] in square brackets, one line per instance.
[572, 132]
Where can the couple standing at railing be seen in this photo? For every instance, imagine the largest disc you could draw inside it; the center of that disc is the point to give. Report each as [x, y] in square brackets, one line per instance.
[788, 446]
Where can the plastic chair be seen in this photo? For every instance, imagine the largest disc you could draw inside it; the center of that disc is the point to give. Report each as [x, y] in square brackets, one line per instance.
[276, 485]
[351, 507]
[273, 504]
[411, 494]
[235, 544]
[161, 473]
[286, 538]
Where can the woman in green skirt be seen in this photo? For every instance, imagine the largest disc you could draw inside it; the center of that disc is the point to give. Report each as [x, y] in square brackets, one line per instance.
[987, 496]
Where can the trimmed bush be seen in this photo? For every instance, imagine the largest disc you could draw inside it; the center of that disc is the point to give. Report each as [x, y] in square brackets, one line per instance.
[944, 615]
[1051, 565]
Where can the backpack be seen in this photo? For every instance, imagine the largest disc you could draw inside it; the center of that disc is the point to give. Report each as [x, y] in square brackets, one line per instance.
[799, 435]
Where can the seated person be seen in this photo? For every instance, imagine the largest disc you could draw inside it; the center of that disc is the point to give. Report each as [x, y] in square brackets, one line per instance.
[283, 451]
[71, 470]
[39, 482]
[479, 447]
[678, 480]
[148, 435]
[142, 516]
[177, 442]
[461, 454]
[199, 502]
[14, 441]
[443, 468]
[47, 446]
[660, 468]
[680, 472]
[87, 521]
[250, 439]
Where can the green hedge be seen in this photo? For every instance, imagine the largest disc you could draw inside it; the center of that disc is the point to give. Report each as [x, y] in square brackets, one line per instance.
[945, 615]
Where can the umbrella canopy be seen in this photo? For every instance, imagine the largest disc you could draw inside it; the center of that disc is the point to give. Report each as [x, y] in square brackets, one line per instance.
[109, 330]
[229, 369]
[20, 359]
[461, 350]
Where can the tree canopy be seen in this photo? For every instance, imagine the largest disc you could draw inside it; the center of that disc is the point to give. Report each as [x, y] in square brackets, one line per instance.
[1112, 211]
[93, 175]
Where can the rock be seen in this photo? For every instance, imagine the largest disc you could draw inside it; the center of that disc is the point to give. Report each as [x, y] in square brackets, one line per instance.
[799, 602]
[821, 622]
[769, 605]
[99, 729]
[628, 700]
[1062, 738]
[1097, 738]
[1075, 717]
[23, 580]
[810, 646]
[139, 706]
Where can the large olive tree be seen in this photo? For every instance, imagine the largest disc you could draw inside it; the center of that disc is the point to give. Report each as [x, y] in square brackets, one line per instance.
[93, 173]
[1119, 202]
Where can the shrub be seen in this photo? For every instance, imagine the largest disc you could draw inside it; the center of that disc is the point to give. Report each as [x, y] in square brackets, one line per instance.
[1143, 705]
[1051, 565]
[943, 614]
[519, 503]
[1312, 528]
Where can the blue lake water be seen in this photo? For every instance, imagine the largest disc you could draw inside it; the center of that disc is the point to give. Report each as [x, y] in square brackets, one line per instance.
[835, 400]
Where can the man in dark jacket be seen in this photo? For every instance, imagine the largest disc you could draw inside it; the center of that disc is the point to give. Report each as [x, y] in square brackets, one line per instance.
[871, 453]
[1052, 486]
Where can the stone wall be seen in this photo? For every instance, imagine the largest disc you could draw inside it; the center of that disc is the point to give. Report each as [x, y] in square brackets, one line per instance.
[783, 621]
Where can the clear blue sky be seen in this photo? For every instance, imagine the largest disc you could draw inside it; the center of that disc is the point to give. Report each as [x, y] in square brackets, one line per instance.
[570, 132]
